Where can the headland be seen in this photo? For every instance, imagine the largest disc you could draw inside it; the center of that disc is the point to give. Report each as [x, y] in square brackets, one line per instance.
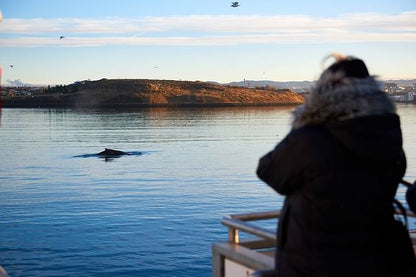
[132, 93]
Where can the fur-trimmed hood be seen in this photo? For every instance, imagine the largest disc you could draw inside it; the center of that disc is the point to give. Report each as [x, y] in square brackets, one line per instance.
[337, 97]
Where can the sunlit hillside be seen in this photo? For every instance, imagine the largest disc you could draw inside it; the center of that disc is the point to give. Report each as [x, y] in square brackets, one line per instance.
[136, 93]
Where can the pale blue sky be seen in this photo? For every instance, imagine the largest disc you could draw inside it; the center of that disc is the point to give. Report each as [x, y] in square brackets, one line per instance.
[201, 40]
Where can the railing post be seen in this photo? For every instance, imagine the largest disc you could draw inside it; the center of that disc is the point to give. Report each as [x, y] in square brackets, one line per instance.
[218, 263]
[233, 235]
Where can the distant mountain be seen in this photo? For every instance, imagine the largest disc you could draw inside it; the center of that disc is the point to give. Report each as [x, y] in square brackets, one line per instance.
[302, 85]
[401, 82]
[273, 84]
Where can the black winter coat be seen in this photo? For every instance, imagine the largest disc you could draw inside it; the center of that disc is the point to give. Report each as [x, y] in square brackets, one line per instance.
[339, 180]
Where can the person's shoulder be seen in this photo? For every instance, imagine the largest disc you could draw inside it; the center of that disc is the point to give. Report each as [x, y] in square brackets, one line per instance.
[310, 135]
[313, 144]
[309, 131]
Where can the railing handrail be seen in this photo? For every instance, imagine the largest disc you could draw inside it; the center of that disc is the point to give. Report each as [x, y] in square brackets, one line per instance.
[257, 215]
[236, 222]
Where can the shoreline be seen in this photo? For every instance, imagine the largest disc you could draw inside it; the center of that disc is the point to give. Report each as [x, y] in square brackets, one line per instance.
[20, 105]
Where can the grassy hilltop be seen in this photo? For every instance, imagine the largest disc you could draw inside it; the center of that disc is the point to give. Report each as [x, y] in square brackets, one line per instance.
[128, 93]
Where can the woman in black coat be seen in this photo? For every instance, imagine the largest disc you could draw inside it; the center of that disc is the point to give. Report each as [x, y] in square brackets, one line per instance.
[339, 168]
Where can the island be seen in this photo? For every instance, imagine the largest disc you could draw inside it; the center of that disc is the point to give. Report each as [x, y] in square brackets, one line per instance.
[131, 93]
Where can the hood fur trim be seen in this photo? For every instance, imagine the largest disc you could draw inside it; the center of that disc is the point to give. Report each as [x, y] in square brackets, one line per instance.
[336, 97]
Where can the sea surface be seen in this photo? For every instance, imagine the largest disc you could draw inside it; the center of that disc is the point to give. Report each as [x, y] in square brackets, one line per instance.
[65, 212]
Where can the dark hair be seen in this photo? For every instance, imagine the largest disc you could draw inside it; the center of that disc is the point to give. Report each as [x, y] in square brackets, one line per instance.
[352, 67]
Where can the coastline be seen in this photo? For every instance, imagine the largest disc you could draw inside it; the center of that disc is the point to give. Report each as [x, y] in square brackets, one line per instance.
[56, 105]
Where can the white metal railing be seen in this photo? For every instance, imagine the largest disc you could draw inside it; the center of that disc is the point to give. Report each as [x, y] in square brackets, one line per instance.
[257, 253]
[240, 222]
[253, 254]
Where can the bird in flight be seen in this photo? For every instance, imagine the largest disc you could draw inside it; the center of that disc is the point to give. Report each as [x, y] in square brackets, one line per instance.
[61, 37]
[235, 4]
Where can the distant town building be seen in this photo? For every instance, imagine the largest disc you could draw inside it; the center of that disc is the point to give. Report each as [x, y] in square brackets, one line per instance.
[390, 88]
[401, 93]
[410, 96]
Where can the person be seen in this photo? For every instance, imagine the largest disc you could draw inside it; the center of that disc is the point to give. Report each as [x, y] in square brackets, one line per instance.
[339, 168]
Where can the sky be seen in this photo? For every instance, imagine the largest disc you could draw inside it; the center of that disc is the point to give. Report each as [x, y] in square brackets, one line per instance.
[201, 40]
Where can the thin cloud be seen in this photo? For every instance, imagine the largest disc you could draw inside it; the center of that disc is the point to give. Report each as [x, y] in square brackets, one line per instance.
[282, 38]
[208, 30]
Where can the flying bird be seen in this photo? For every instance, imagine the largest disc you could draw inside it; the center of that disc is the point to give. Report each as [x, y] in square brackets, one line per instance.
[234, 4]
[61, 37]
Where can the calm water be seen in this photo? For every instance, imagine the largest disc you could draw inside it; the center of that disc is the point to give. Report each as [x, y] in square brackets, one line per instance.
[150, 215]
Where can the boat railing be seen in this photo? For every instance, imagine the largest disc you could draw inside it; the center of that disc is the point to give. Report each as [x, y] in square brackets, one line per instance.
[240, 222]
[251, 248]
